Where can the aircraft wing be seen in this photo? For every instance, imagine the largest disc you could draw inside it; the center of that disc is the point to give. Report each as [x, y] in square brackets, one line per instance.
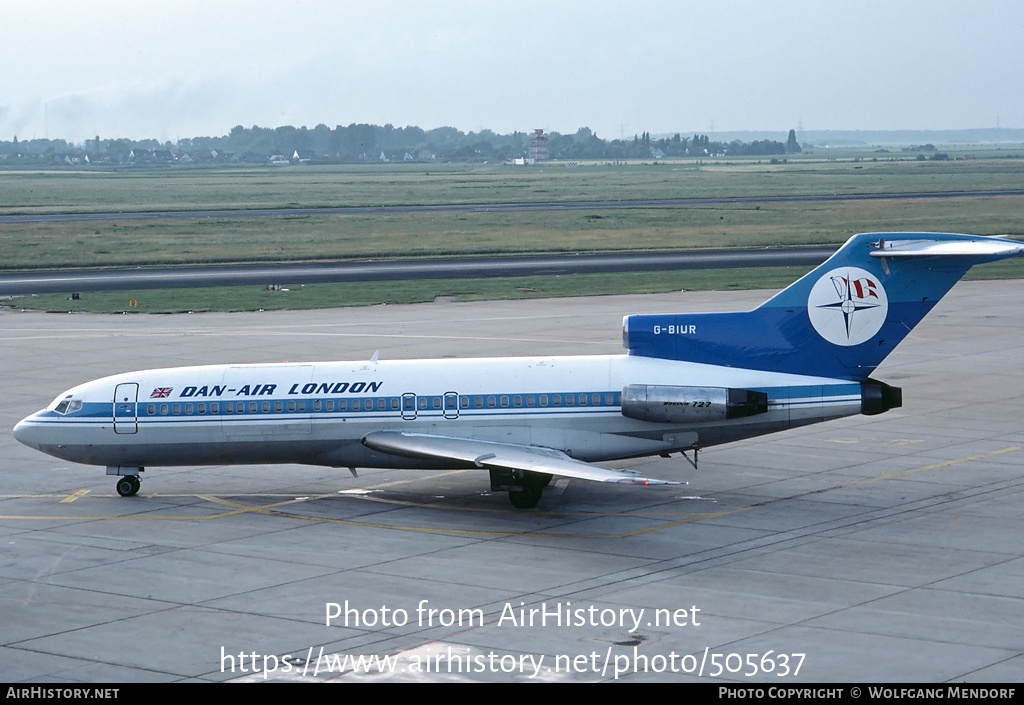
[506, 456]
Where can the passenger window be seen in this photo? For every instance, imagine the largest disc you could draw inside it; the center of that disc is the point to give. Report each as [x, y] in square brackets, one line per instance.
[188, 409]
[291, 406]
[530, 400]
[202, 408]
[163, 410]
[278, 406]
[381, 404]
[316, 405]
[214, 408]
[252, 407]
[240, 407]
[556, 400]
[266, 407]
[330, 405]
[609, 399]
[570, 400]
[517, 400]
[543, 399]
[151, 409]
[504, 402]
[176, 409]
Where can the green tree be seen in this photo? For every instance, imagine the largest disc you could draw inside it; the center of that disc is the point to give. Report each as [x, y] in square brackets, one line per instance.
[792, 146]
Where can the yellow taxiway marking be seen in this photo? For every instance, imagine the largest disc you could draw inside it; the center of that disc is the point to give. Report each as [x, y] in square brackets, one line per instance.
[887, 441]
[72, 497]
[277, 508]
[933, 466]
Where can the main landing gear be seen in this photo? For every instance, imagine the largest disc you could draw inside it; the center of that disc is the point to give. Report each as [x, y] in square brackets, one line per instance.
[524, 487]
[128, 481]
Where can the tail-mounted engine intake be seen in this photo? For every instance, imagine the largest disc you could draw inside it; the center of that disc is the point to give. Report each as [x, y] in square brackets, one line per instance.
[879, 397]
[665, 404]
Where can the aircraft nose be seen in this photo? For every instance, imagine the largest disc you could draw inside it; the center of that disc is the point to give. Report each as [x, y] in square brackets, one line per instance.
[25, 432]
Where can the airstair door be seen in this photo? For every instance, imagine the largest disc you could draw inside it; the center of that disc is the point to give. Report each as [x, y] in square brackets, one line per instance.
[126, 398]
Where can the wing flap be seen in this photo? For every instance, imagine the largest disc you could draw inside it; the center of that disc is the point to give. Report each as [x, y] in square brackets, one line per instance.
[487, 454]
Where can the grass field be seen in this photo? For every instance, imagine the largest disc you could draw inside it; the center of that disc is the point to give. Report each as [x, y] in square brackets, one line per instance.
[338, 237]
[131, 189]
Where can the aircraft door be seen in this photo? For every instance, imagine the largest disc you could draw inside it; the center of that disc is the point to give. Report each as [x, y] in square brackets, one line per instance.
[126, 397]
[451, 405]
[408, 406]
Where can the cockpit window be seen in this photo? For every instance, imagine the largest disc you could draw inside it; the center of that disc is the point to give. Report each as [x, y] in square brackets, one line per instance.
[67, 405]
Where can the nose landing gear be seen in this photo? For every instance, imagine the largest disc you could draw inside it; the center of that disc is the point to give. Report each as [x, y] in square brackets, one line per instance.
[128, 486]
[128, 481]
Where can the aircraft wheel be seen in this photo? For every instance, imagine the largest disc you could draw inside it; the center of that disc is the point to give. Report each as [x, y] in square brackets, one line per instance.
[525, 498]
[128, 485]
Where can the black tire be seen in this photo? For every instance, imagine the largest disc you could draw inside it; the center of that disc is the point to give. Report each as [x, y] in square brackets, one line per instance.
[526, 497]
[128, 485]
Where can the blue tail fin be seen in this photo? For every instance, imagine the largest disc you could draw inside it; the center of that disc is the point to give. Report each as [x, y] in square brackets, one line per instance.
[841, 320]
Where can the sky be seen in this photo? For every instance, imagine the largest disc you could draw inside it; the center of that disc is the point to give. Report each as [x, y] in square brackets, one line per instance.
[167, 69]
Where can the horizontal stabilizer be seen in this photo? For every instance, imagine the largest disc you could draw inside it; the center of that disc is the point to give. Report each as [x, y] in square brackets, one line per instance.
[465, 452]
[955, 248]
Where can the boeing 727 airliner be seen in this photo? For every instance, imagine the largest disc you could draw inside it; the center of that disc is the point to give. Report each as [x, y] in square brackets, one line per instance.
[687, 381]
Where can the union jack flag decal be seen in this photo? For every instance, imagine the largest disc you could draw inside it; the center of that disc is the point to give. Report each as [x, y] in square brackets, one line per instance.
[161, 392]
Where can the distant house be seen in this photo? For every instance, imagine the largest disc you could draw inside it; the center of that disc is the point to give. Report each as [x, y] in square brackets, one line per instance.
[279, 160]
[303, 156]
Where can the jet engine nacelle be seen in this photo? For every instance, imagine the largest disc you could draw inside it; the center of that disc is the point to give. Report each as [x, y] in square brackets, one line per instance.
[672, 404]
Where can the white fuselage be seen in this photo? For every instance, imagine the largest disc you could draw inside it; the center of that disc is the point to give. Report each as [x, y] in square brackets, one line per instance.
[317, 413]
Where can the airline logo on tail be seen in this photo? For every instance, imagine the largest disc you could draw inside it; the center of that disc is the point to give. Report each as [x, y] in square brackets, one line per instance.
[847, 306]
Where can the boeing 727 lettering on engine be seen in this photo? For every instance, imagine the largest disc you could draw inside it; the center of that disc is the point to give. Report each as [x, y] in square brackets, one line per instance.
[687, 381]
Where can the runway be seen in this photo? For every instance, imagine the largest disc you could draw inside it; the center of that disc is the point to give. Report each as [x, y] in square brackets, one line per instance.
[870, 549]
